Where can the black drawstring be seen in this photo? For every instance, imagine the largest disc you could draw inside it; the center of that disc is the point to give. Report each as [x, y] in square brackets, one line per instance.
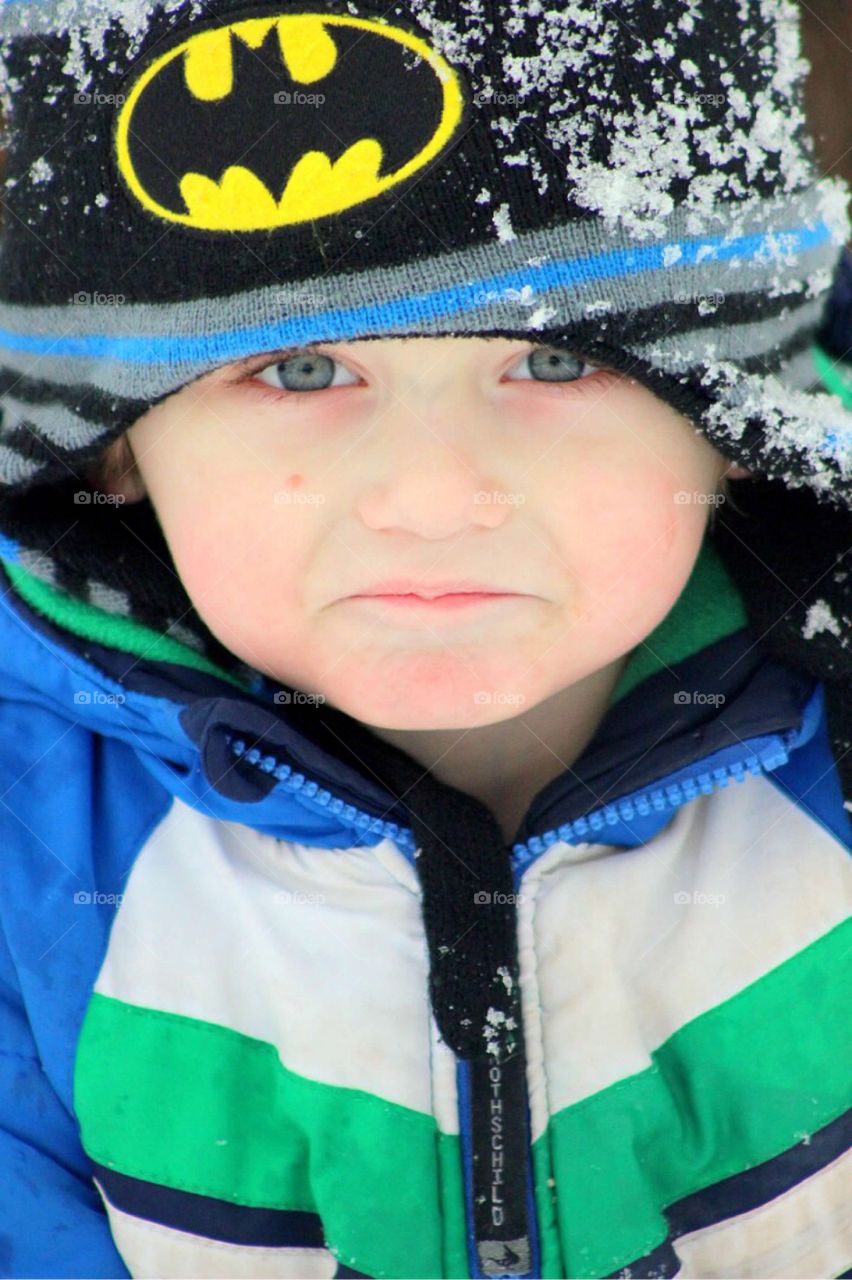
[468, 905]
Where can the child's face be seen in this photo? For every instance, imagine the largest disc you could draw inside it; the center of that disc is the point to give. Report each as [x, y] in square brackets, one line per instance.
[433, 459]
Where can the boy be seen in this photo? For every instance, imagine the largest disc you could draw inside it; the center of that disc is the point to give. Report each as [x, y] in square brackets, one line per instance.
[376, 895]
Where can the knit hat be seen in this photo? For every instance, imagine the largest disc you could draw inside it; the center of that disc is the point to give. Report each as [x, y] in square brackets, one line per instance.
[188, 183]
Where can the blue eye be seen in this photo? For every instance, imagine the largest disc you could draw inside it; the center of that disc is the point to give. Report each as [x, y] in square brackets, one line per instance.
[302, 371]
[553, 364]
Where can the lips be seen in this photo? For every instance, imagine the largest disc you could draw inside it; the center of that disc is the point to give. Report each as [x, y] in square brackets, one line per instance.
[432, 590]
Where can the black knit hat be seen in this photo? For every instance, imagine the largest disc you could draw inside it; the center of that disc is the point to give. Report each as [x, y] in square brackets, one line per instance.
[188, 183]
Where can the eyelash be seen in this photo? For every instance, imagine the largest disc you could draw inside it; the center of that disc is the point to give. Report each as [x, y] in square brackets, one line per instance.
[249, 367]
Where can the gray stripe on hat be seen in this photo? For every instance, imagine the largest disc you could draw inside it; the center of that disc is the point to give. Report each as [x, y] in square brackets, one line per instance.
[14, 467]
[800, 373]
[520, 309]
[53, 421]
[679, 352]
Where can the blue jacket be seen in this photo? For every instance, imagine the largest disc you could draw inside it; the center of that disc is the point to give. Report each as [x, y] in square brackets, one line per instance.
[218, 1056]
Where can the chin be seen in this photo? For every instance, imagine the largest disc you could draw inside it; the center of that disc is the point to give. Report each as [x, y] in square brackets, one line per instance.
[457, 704]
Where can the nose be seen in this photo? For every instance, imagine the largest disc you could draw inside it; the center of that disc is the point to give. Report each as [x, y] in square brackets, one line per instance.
[434, 484]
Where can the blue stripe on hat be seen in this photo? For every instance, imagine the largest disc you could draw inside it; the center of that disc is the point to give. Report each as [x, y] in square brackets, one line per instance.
[350, 322]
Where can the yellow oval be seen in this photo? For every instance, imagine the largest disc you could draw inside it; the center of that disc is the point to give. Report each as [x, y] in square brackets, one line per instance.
[240, 200]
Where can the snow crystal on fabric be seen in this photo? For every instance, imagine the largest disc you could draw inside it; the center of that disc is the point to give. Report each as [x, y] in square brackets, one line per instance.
[820, 618]
[806, 427]
[649, 148]
[86, 23]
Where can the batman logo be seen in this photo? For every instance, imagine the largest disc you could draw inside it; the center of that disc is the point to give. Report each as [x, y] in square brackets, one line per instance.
[274, 120]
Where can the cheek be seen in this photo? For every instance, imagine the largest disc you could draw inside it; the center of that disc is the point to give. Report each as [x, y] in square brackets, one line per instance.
[619, 515]
[247, 567]
[628, 546]
[218, 537]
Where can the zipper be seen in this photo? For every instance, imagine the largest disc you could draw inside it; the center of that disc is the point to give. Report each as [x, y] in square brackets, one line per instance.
[494, 1121]
[764, 755]
[755, 756]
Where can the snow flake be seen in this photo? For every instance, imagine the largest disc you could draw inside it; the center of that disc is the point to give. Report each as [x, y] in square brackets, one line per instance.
[505, 975]
[598, 307]
[820, 618]
[503, 223]
[40, 170]
[86, 23]
[819, 282]
[539, 318]
[525, 296]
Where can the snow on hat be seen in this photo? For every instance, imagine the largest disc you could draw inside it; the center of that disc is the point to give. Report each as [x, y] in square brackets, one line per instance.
[188, 183]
